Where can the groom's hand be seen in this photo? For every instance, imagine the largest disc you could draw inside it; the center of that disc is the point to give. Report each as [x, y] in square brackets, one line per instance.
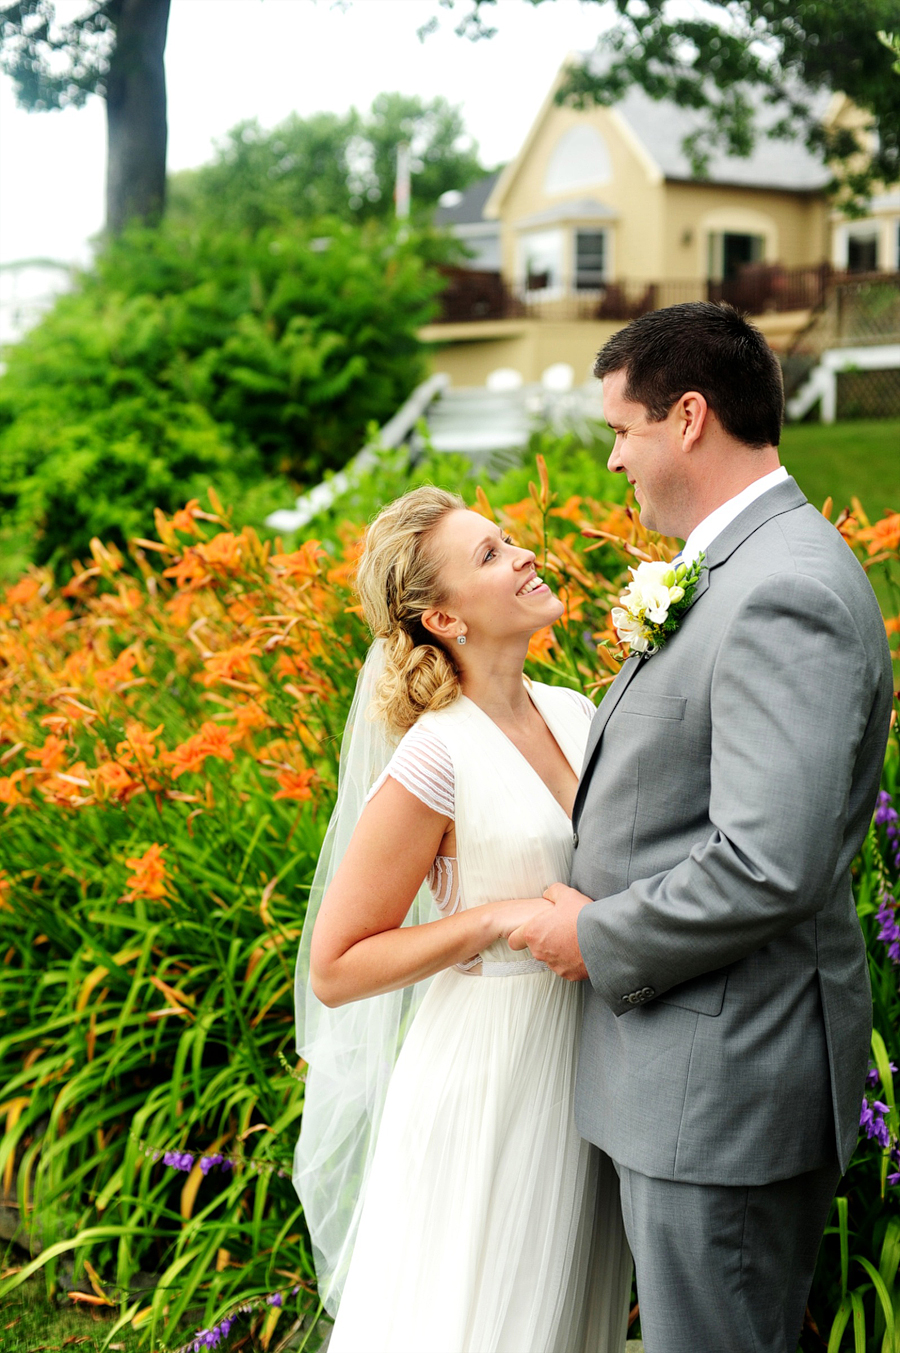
[552, 935]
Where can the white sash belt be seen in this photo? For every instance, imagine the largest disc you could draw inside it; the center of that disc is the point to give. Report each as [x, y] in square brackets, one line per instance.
[516, 968]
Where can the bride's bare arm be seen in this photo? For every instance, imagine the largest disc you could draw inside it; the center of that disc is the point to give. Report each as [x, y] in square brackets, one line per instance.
[358, 948]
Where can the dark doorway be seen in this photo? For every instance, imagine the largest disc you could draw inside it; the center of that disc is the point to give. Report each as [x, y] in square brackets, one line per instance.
[738, 251]
[862, 253]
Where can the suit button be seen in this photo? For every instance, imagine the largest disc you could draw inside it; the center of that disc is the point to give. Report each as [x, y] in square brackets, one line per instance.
[575, 840]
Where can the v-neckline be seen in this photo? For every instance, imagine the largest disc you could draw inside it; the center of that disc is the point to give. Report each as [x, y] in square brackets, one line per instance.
[521, 755]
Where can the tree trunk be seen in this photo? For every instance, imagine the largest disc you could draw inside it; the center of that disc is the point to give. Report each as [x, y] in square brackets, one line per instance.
[136, 114]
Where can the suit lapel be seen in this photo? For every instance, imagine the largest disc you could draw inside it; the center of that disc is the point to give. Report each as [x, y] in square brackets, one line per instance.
[785, 497]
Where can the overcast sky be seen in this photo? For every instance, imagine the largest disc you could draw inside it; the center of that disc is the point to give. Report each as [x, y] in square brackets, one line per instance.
[233, 59]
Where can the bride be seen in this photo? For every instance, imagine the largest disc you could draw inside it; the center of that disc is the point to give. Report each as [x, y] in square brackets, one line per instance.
[453, 1207]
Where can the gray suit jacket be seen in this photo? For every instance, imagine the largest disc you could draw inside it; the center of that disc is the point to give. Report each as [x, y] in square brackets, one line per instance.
[728, 782]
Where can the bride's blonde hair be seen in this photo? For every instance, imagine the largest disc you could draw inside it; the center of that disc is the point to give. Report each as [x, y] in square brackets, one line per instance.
[398, 579]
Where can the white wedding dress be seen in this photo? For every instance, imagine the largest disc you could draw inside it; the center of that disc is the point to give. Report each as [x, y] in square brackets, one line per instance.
[485, 1227]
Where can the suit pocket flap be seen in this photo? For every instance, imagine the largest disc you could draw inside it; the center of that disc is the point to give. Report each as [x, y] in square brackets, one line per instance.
[705, 994]
[653, 706]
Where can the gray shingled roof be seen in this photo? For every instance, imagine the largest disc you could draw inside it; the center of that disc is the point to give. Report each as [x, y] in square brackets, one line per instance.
[662, 126]
[471, 208]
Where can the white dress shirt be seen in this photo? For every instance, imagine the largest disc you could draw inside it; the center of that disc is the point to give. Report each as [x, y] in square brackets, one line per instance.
[702, 536]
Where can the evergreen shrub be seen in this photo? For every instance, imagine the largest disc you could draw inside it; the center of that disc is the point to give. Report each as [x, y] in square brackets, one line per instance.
[194, 356]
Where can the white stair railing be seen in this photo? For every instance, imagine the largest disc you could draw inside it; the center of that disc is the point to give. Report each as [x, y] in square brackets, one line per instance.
[820, 386]
[395, 431]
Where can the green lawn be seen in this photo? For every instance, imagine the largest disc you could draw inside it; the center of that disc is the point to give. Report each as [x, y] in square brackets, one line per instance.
[29, 1323]
[839, 460]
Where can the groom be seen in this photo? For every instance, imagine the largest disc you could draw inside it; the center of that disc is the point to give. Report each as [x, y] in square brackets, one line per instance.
[728, 782]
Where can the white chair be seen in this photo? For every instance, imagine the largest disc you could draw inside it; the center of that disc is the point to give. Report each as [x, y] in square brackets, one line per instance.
[558, 379]
[503, 379]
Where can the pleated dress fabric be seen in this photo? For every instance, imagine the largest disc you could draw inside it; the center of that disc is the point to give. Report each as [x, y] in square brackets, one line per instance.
[489, 1225]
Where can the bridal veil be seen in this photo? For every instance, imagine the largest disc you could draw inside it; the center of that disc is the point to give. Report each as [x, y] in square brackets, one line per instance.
[351, 1050]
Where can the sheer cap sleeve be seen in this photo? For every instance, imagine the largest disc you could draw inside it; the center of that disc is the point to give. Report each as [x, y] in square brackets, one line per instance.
[423, 766]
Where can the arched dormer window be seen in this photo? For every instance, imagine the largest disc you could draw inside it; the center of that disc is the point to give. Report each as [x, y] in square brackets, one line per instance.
[579, 160]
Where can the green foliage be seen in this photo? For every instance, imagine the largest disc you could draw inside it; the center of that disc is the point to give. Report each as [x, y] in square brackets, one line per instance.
[132, 1073]
[857, 1279]
[732, 57]
[329, 165]
[748, 53]
[53, 64]
[190, 357]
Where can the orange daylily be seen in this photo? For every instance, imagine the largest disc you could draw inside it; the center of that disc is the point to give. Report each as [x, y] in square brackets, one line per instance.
[122, 603]
[541, 645]
[140, 744]
[181, 608]
[52, 755]
[295, 784]
[212, 740]
[189, 571]
[67, 787]
[241, 611]
[230, 663]
[883, 535]
[247, 717]
[25, 590]
[13, 789]
[113, 781]
[225, 552]
[302, 563]
[119, 671]
[148, 876]
[571, 510]
[185, 520]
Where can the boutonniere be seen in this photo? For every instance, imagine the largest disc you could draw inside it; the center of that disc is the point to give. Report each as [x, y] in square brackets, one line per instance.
[654, 602]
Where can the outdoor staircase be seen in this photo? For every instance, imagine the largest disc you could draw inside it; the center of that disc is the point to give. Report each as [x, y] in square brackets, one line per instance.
[490, 427]
[857, 328]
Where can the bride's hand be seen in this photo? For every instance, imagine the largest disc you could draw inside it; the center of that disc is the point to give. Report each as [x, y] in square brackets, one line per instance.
[514, 913]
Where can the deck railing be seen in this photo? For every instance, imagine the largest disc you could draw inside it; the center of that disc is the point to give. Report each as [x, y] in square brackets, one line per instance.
[758, 289]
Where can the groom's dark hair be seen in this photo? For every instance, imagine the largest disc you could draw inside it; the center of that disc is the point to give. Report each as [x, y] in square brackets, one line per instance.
[704, 347]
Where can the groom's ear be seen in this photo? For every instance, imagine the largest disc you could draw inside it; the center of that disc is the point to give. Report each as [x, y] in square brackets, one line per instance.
[693, 415]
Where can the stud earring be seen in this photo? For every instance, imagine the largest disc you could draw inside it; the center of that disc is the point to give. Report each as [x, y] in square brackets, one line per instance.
[460, 638]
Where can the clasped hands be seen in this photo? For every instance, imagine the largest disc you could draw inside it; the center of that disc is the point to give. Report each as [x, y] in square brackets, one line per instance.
[551, 932]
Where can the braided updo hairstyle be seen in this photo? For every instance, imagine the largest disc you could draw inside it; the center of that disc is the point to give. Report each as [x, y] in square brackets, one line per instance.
[398, 579]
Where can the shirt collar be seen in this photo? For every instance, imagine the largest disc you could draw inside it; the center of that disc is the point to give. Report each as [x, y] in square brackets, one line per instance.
[702, 536]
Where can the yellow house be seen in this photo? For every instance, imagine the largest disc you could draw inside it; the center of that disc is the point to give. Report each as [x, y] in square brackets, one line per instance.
[599, 218]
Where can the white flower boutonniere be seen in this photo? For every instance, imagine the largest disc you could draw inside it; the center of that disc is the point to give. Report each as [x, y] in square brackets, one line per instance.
[654, 602]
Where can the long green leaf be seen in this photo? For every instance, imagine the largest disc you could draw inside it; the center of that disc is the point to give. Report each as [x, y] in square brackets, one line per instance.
[884, 1297]
[839, 1324]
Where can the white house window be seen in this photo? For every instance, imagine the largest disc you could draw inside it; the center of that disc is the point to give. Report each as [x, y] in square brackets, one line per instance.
[590, 259]
[862, 249]
[580, 159]
[542, 255]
